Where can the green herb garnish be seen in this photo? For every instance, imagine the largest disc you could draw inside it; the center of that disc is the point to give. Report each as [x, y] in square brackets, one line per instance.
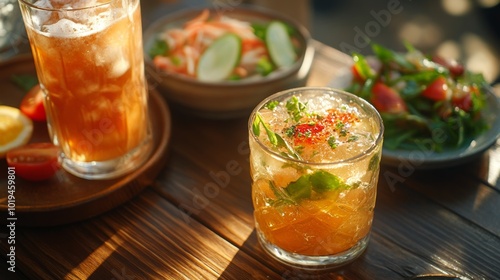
[307, 186]
[455, 113]
[275, 139]
[265, 66]
[295, 108]
[160, 47]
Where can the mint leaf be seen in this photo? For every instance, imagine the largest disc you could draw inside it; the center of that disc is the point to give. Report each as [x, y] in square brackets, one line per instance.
[282, 197]
[323, 181]
[374, 162]
[299, 189]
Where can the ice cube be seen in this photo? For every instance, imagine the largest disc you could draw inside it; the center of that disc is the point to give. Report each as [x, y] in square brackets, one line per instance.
[65, 28]
[113, 58]
[119, 67]
[40, 16]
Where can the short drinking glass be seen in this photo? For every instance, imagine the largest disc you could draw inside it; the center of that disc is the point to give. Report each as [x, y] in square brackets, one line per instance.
[314, 160]
[89, 60]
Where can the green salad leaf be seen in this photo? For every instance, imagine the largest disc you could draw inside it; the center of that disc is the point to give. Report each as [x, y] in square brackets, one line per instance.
[442, 106]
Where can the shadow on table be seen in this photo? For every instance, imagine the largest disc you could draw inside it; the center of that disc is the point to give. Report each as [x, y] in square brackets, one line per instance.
[272, 269]
[444, 216]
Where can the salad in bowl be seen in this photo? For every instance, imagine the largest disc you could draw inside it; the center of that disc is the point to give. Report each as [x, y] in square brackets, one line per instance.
[436, 112]
[222, 63]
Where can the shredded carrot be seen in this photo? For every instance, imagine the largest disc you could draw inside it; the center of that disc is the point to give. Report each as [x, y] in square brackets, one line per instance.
[186, 44]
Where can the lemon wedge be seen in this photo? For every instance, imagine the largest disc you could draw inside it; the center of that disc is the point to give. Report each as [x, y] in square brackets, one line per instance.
[15, 129]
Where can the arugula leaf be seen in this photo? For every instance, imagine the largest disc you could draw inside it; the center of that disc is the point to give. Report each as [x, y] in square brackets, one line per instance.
[421, 78]
[366, 90]
[362, 66]
[411, 90]
[387, 55]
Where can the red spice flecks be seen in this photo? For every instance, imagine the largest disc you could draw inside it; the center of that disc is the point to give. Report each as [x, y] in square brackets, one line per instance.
[313, 131]
[307, 133]
[335, 116]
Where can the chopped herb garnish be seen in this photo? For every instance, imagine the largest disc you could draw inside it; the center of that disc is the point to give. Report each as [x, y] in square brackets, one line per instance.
[271, 105]
[332, 142]
[353, 138]
[295, 108]
[276, 140]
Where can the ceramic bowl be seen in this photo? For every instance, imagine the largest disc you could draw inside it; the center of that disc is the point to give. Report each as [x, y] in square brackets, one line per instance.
[226, 99]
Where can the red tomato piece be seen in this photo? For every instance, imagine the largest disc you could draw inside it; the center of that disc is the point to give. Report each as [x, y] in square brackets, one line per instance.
[32, 104]
[386, 99]
[437, 90]
[35, 161]
[356, 75]
[456, 69]
[464, 103]
[463, 98]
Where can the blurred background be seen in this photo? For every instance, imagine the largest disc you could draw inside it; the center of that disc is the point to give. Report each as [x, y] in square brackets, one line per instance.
[466, 30]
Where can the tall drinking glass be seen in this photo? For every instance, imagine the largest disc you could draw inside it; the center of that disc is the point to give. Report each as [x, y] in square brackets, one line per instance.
[314, 157]
[89, 61]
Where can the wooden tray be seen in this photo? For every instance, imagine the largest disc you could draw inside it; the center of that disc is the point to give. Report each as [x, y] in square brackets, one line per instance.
[66, 198]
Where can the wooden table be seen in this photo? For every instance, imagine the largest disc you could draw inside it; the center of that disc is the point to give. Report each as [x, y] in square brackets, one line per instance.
[195, 221]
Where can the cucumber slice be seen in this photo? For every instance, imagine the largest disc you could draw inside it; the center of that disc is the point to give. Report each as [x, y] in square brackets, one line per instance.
[219, 59]
[280, 45]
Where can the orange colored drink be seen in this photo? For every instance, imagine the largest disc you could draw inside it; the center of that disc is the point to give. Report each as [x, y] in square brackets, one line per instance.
[89, 61]
[314, 159]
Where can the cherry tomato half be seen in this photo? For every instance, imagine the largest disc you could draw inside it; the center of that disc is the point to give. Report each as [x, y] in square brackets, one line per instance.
[462, 98]
[386, 99]
[35, 161]
[32, 104]
[437, 90]
[456, 69]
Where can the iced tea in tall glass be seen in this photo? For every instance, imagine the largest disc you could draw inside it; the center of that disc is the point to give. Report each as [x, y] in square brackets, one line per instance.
[314, 157]
[89, 61]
